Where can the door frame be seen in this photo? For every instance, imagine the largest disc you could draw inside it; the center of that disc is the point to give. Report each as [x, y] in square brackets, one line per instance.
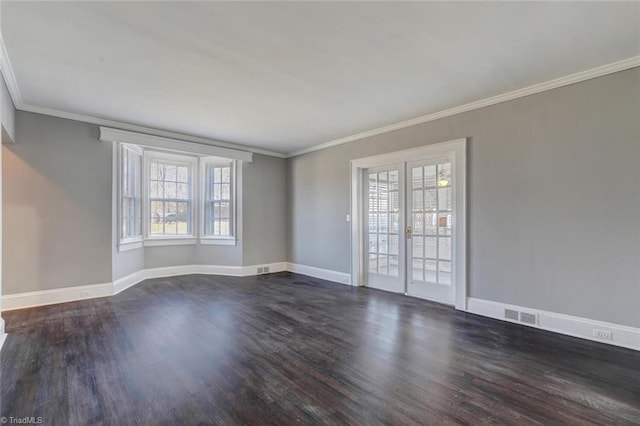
[457, 150]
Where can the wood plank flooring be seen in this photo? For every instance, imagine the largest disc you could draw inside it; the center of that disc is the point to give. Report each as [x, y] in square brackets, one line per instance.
[288, 349]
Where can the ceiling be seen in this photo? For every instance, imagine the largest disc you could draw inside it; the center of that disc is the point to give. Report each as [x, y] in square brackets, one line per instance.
[285, 76]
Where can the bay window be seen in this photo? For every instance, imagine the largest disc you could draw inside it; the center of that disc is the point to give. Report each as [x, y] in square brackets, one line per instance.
[175, 198]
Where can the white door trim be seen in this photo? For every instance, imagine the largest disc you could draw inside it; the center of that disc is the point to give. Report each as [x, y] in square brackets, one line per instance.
[457, 149]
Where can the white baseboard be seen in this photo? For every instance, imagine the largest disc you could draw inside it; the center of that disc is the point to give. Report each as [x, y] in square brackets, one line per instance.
[3, 335]
[621, 335]
[70, 294]
[58, 295]
[325, 274]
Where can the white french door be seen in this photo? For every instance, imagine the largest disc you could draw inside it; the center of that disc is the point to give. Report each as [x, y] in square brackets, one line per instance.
[409, 225]
[385, 221]
[429, 231]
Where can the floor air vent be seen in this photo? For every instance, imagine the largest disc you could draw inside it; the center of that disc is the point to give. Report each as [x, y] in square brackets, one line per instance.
[528, 318]
[511, 314]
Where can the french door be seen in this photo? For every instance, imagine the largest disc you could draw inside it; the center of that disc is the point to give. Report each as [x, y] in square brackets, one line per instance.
[409, 244]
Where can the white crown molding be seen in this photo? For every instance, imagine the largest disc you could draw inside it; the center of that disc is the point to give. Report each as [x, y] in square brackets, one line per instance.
[147, 130]
[515, 94]
[9, 76]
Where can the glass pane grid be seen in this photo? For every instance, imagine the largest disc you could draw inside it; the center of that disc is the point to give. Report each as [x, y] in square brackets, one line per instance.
[431, 219]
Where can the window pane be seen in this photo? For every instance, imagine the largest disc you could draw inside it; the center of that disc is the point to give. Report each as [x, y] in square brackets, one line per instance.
[170, 190]
[373, 223]
[373, 263]
[170, 173]
[226, 191]
[444, 223]
[394, 201]
[418, 224]
[395, 222]
[217, 175]
[155, 190]
[183, 174]
[182, 191]
[384, 223]
[393, 180]
[224, 210]
[217, 192]
[226, 174]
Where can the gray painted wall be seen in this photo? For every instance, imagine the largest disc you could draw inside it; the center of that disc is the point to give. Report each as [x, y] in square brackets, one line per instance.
[554, 198]
[58, 212]
[265, 213]
[56, 206]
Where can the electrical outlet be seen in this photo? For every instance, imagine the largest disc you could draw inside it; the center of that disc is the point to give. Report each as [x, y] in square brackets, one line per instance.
[603, 334]
[265, 269]
[260, 270]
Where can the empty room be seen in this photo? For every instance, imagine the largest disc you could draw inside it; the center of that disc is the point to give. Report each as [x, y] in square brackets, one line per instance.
[327, 213]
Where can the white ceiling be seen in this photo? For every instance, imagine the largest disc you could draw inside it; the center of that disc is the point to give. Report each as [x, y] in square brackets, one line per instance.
[285, 76]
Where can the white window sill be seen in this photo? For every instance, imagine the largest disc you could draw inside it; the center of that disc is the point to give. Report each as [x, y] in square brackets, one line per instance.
[180, 241]
[129, 245]
[218, 241]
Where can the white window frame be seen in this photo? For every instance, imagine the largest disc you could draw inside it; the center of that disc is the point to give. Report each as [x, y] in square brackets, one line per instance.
[178, 159]
[134, 242]
[212, 239]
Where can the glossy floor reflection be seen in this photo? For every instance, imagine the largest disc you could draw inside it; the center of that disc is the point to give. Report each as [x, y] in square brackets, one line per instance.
[285, 349]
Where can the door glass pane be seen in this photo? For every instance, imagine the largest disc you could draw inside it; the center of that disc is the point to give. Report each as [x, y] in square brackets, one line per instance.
[444, 174]
[373, 263]
[417, 201]
[383, 223]
[373, 243]
[416, 177]
[444, 273]
[393, 244]
[393, 180]
[430, 203]
[418, 247]
[430, 176]
[430, 248]
[383, 243]
[444, 248]
[395, 222]
[430, 271]
[383, 267]
[416, 269]
[394, 201]
[418, 226]
[383, 201]
[393, 266]
[444, 199]
[430, 224]
[373, 223]
[444, 224]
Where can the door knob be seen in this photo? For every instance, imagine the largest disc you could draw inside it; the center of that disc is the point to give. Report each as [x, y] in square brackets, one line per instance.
[408, 231]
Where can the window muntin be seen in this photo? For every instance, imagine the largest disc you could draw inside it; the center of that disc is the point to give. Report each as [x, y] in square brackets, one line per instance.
[130, 203]
[170, 195]
[218, 201]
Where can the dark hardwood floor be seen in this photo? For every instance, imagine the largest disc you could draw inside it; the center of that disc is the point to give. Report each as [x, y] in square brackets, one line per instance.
[286, 349]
